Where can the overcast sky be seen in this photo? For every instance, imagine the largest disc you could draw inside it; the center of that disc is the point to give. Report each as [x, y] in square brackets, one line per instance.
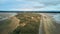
[30, 5]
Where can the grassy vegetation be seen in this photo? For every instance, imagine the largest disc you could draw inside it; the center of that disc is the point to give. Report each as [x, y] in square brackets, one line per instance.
[28, 24]
[31, 22]
[8, 25]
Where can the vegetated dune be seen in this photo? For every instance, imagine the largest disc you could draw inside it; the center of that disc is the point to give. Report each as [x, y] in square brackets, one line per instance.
[28, 23]
[8, 25]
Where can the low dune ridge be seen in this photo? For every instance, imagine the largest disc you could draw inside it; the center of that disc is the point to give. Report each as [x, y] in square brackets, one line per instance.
[29, 23]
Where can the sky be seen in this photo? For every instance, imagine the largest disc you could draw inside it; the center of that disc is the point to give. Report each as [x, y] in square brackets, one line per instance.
[29, 5]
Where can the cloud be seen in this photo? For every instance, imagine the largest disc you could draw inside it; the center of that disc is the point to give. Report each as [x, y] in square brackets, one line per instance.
[3, 1]
[34, 5]
[47, 2]
[45, 8]
[20, 4]
[23, 9]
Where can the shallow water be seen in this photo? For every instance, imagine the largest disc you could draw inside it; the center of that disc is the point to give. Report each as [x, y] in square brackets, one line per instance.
[4, 16]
